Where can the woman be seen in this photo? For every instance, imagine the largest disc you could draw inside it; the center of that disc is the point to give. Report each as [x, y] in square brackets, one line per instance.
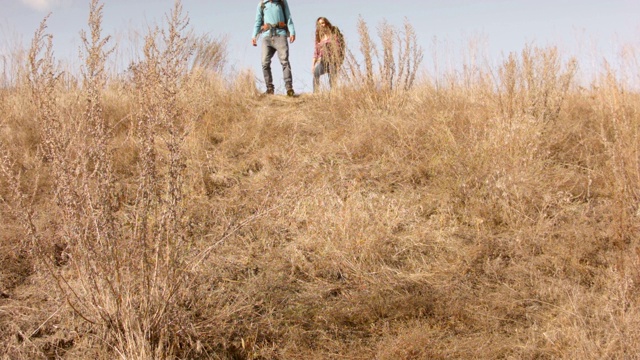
[327, 55]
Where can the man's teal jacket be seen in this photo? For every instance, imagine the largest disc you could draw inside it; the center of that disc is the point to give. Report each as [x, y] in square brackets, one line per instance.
[274, 13]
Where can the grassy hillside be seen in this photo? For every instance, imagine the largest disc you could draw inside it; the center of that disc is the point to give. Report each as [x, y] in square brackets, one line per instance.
[178, 214]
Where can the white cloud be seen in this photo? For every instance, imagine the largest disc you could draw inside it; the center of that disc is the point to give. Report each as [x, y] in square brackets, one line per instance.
[45, 5]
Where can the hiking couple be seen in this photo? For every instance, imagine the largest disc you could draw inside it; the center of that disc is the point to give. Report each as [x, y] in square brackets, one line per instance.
[274, 24]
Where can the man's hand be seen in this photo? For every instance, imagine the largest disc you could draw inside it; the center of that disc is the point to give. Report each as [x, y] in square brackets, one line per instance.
[292, 38]
[254, 42]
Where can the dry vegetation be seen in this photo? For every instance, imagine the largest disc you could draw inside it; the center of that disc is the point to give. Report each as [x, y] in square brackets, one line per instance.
[177, 215]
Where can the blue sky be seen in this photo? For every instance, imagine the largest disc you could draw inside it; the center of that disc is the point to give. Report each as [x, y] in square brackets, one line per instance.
[593, 29]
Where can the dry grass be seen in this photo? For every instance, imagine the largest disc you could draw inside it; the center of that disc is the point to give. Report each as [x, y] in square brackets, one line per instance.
[390, 66]
[176, 215]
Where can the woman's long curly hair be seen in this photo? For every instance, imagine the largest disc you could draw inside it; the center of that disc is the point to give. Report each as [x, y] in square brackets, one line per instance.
[328, 26]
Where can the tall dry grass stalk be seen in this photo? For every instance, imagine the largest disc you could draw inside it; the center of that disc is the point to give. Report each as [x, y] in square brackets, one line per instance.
[619, 135]
[397, 58]
[120, 266]
[536, 82]
[209, 54]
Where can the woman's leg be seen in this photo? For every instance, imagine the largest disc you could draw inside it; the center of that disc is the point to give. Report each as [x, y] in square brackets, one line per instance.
[317, 72]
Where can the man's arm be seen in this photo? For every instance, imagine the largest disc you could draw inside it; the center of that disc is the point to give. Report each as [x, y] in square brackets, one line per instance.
[292, 29]
[257, 25]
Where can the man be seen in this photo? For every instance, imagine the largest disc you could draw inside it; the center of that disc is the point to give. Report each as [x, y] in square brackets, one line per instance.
[274, 24]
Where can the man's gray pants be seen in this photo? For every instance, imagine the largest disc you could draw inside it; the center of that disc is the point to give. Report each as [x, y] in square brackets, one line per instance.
[270, 45]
